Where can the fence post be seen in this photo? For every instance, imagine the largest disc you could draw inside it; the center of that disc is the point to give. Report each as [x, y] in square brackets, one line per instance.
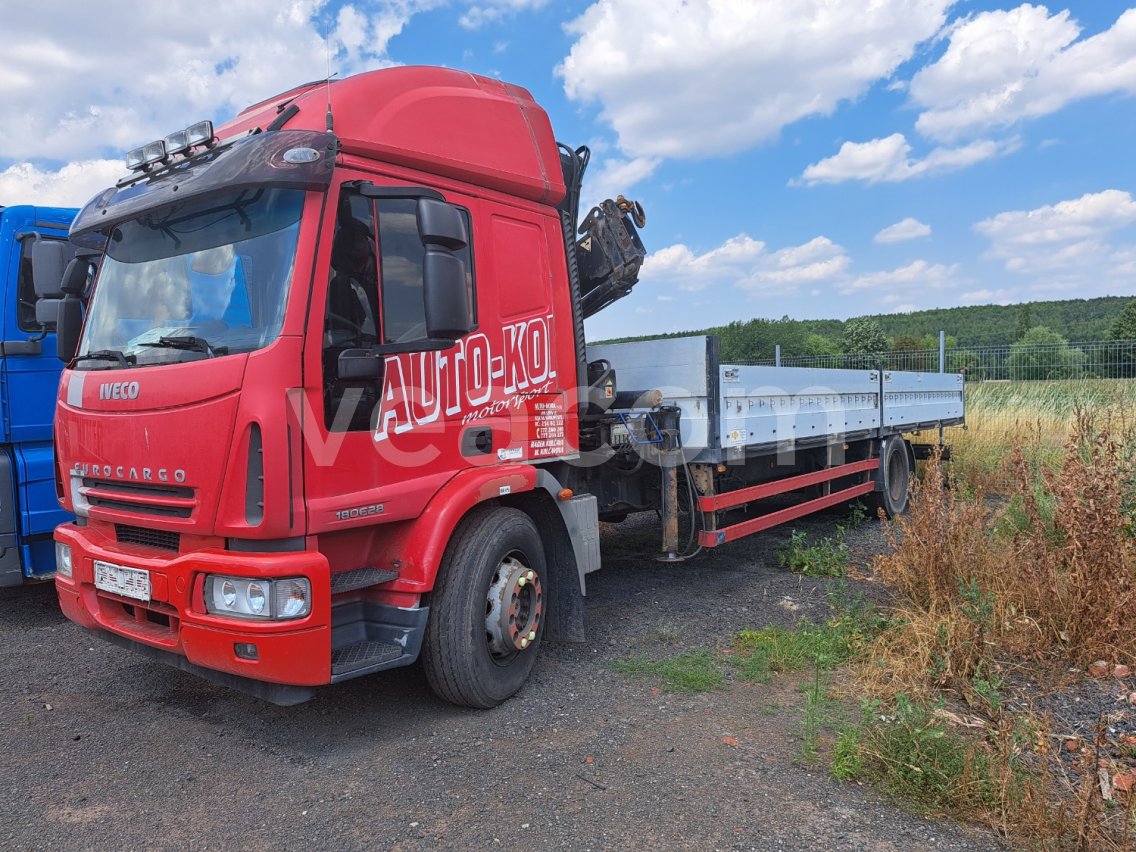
[942, 351]
[777, 355]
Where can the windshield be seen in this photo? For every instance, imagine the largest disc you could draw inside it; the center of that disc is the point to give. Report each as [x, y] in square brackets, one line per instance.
[197, 280]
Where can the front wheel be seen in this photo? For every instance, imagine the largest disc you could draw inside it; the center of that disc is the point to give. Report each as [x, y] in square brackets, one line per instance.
[487, 609]
[895, 473]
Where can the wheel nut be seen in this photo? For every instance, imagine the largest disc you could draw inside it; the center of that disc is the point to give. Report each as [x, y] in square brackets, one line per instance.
[521, 581]
[532, 635]
[524, 643]
[529, 575]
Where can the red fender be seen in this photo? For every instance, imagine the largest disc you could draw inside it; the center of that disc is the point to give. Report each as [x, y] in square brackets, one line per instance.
[415, 548]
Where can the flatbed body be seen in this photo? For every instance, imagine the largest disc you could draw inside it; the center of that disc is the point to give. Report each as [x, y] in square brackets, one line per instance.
[732, 409]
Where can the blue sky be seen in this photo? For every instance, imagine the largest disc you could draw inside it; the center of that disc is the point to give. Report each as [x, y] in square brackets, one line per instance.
[816, 158]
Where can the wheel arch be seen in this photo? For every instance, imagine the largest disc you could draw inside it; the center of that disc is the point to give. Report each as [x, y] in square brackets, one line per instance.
[569, 532]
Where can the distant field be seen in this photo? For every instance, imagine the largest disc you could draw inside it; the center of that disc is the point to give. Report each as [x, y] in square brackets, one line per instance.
[1039, 415]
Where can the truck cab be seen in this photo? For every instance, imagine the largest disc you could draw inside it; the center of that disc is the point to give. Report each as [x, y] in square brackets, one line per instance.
[328, 349]
[29, 378]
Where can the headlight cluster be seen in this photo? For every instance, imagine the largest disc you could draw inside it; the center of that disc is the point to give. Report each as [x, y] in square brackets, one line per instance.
[243, 597]
[63, 559]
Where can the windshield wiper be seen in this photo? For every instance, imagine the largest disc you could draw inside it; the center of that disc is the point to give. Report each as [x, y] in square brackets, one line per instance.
[108, 355]
[189, 343]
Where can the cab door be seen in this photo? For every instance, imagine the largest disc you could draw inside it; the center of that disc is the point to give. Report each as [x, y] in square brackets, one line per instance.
[30, 382]
[378, 447]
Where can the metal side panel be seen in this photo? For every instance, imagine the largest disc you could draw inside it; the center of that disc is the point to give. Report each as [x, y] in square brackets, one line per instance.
[682, 368]
[728, 407]
[778, 405]
[920, 399]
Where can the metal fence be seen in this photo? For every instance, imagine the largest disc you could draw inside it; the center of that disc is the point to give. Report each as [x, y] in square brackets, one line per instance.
[1093, 360]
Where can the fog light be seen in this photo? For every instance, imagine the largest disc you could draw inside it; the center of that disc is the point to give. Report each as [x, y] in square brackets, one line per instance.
[177, 143]
[135, 160]
[63, 559]
[200, 133]
[154, 152]
[246, 650]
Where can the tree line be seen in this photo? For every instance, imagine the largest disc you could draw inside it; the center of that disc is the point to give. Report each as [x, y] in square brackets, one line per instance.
[1027, 325]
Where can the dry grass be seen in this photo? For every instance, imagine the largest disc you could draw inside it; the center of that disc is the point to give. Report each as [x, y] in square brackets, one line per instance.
[1037, 417]
[1039, 578]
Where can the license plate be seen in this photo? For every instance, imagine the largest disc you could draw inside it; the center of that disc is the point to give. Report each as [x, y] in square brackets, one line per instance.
[128, 582]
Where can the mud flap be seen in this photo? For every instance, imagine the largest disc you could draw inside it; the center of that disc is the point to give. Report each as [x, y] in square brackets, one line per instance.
[11, 573]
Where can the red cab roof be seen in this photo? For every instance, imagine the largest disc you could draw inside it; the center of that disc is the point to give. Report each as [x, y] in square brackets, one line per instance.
[450, 123]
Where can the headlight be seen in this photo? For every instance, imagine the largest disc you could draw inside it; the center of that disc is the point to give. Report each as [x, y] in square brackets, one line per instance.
[244, 597]
[63, 558]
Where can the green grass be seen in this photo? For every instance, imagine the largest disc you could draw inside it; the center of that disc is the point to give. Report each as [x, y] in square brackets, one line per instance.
[816, 713]
[760, 653]
[826, 558]
[700, 671]
[914, 756]
[755, 654]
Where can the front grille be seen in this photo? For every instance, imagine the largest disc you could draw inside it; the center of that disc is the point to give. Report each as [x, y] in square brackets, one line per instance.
[169, 501]
[147, 538]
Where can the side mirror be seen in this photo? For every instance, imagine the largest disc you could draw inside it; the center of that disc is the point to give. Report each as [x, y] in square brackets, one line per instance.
[68, 327]
[75, 277]
[49, 261]
[445, 296]
[441, 224]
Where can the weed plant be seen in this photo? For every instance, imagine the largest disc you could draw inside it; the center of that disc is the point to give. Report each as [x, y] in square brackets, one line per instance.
[1041, 578]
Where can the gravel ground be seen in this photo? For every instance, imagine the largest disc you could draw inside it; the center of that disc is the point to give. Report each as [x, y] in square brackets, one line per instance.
[105, 750]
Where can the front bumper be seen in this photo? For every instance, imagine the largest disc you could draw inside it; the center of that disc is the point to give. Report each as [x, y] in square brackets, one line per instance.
[174, 621]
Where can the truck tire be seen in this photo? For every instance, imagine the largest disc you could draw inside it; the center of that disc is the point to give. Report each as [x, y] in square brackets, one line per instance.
[895, 474]
[486, 610]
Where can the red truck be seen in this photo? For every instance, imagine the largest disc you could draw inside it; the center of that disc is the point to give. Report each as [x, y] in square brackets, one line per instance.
[329, 408]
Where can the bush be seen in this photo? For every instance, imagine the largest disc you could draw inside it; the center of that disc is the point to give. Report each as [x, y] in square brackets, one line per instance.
[1044, 354]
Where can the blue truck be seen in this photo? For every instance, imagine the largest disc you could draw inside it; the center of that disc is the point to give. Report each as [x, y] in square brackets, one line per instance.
[29, 377]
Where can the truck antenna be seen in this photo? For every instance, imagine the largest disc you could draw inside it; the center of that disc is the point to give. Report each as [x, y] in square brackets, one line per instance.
[327, 51]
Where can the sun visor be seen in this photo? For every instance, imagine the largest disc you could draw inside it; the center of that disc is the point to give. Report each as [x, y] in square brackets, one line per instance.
[282, 159]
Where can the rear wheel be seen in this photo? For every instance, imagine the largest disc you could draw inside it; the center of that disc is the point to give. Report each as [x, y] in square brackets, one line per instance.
[895, 473]
[487, 609]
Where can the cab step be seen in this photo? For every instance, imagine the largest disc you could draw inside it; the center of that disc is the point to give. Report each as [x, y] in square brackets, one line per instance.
[361, 578]
[363, 655]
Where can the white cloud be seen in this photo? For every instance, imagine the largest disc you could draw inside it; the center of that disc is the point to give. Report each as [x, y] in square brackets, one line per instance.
[906, 229]
[744, 263]
[918, 274]
[888, 160]
[488, 11]
[615, 176]
[73, 185]
[1075, 246]
[678, 79]
[1067, 228]
[1009, 65]
[984, 296]
[61, 98]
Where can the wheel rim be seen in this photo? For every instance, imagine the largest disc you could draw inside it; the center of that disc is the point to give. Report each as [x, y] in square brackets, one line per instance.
[513, 608]
[897, 484]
